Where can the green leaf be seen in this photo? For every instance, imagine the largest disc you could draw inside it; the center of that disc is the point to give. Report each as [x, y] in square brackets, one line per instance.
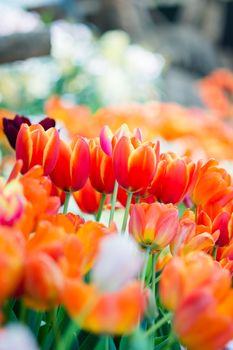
[89, 342]
[136, 341]
[105, 342]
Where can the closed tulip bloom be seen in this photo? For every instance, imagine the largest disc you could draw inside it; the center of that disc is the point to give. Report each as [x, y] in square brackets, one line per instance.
[135, 163]
[212, 186]
[108, 139]
[11, 127]
[72, 168]
[35, 146]
[153, 225]
[87, 199]
[173, 178]
[101, 170]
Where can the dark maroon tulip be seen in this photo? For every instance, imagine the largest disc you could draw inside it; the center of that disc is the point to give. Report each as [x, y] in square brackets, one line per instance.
[11, 126]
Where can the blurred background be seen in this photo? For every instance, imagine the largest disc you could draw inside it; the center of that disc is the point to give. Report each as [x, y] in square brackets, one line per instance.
[166, 62]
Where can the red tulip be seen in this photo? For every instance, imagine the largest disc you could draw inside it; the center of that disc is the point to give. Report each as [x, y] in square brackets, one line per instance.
[35, 146]
[73, 165]
[135, 163]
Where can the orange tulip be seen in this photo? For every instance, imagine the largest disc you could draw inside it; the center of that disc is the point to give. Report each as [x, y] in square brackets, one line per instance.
[191, 236]
[43, 282]
[101, 171]
[114, 313]
[212, 187]
[135, 163]
[153, 225]
[11, 261]
[220, 227]
[173, 178]
[182, 276]
[39, 202]
[73, 165]
[90, 234]
[205, 321]
[35, 146]
[88, 199]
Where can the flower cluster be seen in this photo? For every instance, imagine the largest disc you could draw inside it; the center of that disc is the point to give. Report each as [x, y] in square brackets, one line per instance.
[164, 269]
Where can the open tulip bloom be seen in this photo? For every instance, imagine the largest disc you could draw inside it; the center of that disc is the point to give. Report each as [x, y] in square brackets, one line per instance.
[153, 275]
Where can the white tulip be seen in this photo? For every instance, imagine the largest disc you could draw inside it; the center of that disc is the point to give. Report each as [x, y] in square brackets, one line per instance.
[119, 261]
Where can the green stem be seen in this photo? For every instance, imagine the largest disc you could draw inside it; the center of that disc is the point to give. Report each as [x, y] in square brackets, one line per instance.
[22, 312]
[145, 267]
[126, 214]
[154, 259]
[113, 202]
[137, 199]
[215, 252]
[99, 213]
[106, 343]
[68, 336]
[158, 324]
[66, 204]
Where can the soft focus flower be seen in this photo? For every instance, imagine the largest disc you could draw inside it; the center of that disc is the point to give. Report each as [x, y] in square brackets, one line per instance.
[153, 225]
[184, 275]
[12, 202]
[11, 127]
[91, 234]
[119, 261]
[73, 165]
[173, 178]
[135, 163]
[43, 281]
[17, 336]
[88, 199]
[115, 313]
[101, 169]
[204, 321]
[35, 146]
[11, 261]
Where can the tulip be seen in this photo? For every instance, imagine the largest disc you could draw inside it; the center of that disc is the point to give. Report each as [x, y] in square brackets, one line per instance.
[173, 178]
[88, 199]
[11, 127]
[135, 163]
[106, 313]
[12, 202]
[200, 311]
[112, 271]
[39, 202]
[212, 186]
[108, 140]
[192, 236]
[35, 146]
[153, 225]
[17, 336]
[72, 168]
[11, 261]
[182, 276]
[101, 170]
[43, 282]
